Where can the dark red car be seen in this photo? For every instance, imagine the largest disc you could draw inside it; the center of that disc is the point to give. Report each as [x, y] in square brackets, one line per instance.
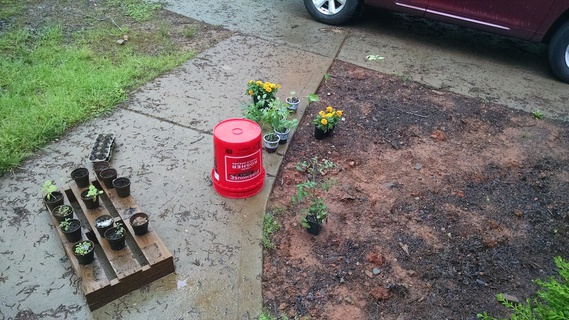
[534, 20]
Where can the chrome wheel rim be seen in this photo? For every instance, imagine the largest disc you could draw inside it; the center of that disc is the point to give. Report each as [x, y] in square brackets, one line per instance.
[329, 7]
[567, 56]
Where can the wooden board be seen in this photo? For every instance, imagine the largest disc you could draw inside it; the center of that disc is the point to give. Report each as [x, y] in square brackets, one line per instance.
[114, 273]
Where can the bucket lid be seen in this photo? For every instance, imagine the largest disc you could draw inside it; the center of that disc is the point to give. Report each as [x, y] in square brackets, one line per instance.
[237, 130]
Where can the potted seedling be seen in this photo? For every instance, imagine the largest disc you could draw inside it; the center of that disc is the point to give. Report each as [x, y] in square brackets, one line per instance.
[84, 251]
[278, 117]
[271, 142]
[51, 197]
[139, 223]
[91, 197]
[293, 102]
[308, 193]
[62, 212]
[116, 237]
[71, 228]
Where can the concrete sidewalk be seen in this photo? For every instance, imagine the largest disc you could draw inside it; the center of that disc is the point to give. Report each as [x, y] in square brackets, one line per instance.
[164, 143]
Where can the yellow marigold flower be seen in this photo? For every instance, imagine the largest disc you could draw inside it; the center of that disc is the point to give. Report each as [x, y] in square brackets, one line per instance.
[322, 113]
[251, 81]
[339, 113]
[273, 86]
[278, 86]
[329, 109]
[259, 82]
[329, 115]
[268, 89]
[324, 121]
[250, 92]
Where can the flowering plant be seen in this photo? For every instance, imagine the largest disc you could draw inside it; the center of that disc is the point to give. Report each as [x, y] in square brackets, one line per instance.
[262, 90]
[327, 119]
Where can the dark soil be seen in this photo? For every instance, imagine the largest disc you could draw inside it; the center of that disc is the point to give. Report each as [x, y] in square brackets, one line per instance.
[441, 203]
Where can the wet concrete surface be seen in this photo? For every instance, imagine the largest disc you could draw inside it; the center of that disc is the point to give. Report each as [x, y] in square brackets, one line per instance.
[164, 144]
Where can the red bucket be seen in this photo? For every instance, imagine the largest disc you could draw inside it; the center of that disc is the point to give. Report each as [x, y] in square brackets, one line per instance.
[238, 170]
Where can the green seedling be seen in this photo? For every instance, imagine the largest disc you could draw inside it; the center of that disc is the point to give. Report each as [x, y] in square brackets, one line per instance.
[48, 189]
[94, 192]
[537, 114]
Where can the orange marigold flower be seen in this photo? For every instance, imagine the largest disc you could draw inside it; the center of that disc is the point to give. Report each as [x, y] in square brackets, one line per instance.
[339, 113]
[250, 92]
[329, 109]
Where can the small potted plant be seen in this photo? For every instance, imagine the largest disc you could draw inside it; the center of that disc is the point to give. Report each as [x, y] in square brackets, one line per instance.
[84, 251]
[277, 115]
[262, 92]
[71, 228]
[139, 223]
[108, 175]
[81, 177]
[122, 185]
[116, 237]
[293, 102]
[308, 192]
[51, 197]
[62, 212]
[271, 142]
[325, 122]
[91, 197]
[103, 223]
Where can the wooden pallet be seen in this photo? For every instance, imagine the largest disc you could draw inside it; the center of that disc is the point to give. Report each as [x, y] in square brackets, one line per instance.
[114, 273]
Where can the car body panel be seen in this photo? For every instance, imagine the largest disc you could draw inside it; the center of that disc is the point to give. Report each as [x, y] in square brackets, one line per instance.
[524, 19]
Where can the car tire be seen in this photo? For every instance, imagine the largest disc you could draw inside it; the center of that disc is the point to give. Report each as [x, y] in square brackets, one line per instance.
[339, 15]
[559, 53]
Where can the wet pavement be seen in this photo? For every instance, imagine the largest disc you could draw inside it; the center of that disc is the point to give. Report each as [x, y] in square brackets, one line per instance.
[164, 143]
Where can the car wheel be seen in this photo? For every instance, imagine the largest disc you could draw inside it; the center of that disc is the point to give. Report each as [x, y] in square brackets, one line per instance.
[559, 53]
[334, 12]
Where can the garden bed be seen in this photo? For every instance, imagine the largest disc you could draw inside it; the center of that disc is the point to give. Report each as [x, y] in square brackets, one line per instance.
[441, 203]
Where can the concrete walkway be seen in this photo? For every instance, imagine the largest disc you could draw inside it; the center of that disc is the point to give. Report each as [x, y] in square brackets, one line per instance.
[164, 143]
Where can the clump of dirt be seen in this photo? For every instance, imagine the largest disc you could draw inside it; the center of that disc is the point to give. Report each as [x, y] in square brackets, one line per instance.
[441, 203]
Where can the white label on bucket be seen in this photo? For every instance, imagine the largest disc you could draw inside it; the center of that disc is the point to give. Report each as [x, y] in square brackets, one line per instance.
[216, 175]
[242, 169]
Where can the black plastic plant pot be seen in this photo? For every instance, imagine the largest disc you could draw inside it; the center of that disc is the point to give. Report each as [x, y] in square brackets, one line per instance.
[122, 185]
[62, 212]
[104, 223]
[100, 166]
[84, 251]
[314, 228]
[81, 177]
[320, 134]
[56, 199]
[108, 175]
[89, 203]
[139, 223]
[116, 240]
[73, 232]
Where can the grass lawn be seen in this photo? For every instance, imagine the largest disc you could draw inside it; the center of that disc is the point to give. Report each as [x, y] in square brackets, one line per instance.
[61, 64]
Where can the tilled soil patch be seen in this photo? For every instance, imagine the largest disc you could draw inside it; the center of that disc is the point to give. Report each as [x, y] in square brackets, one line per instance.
[441, 202]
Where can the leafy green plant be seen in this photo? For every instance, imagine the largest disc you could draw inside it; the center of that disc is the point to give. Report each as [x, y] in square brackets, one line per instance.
[94, 192]
[65, 224]
[307, 192]
[277, 115]
[83, 247]
[48, 189]
[270, 226]
[537, 114]
[313, 97]
[120, 229]
[552, 300]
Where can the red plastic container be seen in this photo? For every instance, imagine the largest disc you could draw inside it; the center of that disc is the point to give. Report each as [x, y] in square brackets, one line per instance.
[238, 170]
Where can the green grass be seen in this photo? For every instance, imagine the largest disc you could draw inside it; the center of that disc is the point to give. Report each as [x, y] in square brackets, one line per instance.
[53, 79]
[270, 226]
